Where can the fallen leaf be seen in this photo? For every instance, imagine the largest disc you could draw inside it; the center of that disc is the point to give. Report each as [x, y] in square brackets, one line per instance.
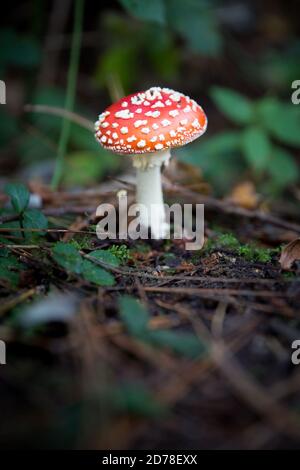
[289, 254]
[244, 195]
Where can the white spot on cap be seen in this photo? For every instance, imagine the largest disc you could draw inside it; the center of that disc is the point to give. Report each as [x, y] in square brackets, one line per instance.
[146, 103]
[124, 104]
[175, 96]
[161, 137]
[158, 104]
[103, 138]
[102, 116]
[165, 122]
[108, 132]
[174, 112]
[153, 139]
[124, 114]
[153, 93]
[138, 99]
[183, 122]
[196, 124]
[168, 102]
[172, 133]
[124, 130]
[159, 146]
[187, 109]
[104, 124]
[115, 124]
[145, 130]
[141, 144]
[140, 123]
[154, 114]
[131, 138]
[115, 135]
[138, 110]
[110, 141]
[155, 126]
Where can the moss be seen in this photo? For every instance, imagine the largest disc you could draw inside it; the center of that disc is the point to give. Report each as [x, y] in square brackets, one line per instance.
[121, 252]
[81, 242]
[227, 241]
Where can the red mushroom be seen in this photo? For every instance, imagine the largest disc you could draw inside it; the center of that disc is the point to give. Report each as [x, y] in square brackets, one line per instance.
[147, 125]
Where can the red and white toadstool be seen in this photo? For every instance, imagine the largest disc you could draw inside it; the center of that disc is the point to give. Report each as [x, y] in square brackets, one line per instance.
[147, 125]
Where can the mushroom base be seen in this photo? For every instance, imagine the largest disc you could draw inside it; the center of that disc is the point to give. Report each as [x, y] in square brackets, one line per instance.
[149, 191]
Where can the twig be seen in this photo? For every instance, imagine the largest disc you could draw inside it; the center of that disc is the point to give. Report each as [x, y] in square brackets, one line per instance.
[64, 113]
[232, 209]
[6, 306]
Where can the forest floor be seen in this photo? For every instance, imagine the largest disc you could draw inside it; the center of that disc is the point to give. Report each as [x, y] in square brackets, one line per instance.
[204, 361]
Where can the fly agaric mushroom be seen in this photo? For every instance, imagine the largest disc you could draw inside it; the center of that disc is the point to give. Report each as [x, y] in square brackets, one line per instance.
[147, 125]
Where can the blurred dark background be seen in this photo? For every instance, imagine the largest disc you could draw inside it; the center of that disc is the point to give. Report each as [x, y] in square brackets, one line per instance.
[208, 49]
[238, 59]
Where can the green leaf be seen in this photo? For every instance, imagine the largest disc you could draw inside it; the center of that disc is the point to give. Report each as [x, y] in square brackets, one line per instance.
[256, 147]
[118, 61]
[10, 268]
[234, 105]
[219, 159]
[66, 255]
[222, 143]
[194, 21]
[19, 196]
[93, 273]
[19, 51]
[184, 344]
[134, 315]
[33, 218]
[281, 120]
[106, 256]
[153, 10]
[283, 168]
[136, 319]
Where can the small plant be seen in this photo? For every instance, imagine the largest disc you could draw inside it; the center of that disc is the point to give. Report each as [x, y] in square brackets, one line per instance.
[121, 252]
[29, 220]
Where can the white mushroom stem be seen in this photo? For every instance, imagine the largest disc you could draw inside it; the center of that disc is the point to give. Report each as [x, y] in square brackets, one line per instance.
[149, 191]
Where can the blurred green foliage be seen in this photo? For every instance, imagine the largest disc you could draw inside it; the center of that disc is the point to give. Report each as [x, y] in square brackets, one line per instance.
[132, 45]
[69, 258]
[136, 319]
[194, 20]
[18, 50]
[144, 43]
[265, 125]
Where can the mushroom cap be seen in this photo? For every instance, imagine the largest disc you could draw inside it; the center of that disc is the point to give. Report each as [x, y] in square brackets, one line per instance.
[150, 121]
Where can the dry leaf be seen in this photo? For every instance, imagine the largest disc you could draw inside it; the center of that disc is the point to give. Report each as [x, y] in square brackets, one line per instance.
[244, 195]
[289, 254]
